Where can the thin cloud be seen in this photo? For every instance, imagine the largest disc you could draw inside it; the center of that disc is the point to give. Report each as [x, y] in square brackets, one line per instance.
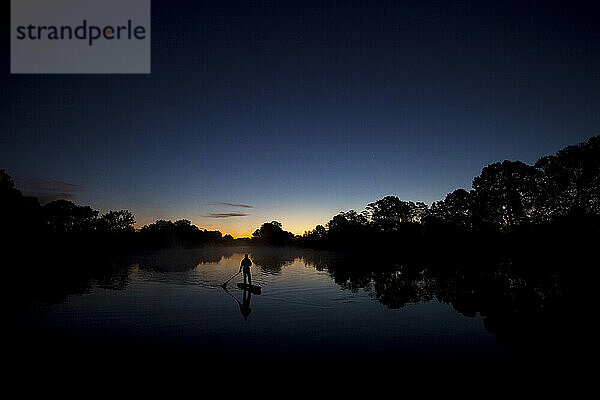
[226, 215]
[47, 190]
[234, 204]
[45, 198]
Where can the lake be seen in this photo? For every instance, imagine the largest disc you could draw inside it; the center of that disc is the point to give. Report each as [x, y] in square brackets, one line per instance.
[315, 307]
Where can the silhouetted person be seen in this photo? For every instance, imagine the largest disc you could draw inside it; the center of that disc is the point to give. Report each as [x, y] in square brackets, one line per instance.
[245, 266]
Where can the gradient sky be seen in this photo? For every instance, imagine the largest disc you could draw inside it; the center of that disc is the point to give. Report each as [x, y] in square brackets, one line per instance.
[294, 111]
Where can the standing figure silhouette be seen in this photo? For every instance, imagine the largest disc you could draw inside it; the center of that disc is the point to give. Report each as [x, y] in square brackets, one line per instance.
[246, 263]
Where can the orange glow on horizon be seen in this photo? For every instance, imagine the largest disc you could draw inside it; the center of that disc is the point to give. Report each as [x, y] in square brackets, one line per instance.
[235, 234]
[295, 222]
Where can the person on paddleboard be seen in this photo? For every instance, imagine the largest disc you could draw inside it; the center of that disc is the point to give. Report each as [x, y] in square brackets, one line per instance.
[246, 263]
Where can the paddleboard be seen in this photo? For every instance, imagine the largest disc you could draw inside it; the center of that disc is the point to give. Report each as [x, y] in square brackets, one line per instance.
[251, 288]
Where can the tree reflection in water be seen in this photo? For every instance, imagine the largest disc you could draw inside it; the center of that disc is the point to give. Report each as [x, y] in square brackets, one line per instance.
[530, 303]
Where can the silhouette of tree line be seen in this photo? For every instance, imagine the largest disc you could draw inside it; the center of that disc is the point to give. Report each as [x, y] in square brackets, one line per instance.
[509, 201]
[60, 223]
[560, 193]
[180, 233]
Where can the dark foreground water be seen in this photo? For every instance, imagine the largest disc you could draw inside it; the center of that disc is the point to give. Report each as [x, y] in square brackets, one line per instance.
[164, 307]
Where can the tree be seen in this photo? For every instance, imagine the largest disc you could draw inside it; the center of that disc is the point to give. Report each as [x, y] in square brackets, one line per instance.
[184, 227]
[20, 215]
[456, 208]
[7, 184]
[349, 222]
[272, 233]
[117, 221]
[65, 216]
[181, 233]
[504, 193]
[349, 229]
[571, 181]
[418, 211]
[318, 233]
[389, 213]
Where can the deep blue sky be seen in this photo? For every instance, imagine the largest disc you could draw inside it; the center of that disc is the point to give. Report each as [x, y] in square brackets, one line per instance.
[303, 109]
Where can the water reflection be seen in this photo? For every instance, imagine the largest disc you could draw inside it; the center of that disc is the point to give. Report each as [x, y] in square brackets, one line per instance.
[529, 304]
[533, 304]
[55, 277]
[178, 260]
[244, 305]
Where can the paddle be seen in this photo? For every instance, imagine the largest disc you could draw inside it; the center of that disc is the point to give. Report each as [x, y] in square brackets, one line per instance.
[225, 284]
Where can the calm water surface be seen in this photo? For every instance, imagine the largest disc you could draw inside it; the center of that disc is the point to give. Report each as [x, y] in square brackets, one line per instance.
[311, 308]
